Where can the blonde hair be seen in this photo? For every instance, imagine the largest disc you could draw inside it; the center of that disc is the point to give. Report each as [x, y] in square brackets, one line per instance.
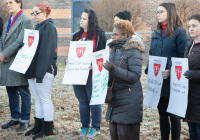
[125, 26]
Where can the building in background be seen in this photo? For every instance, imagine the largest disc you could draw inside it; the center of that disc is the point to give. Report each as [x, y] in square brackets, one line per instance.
[66, 14]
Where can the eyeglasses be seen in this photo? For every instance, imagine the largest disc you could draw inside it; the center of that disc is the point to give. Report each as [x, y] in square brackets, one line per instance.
[160, 12]
[36, 13]
[115, 35]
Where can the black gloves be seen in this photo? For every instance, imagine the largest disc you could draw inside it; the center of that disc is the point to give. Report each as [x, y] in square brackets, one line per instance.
[109, 66]
[189, 74]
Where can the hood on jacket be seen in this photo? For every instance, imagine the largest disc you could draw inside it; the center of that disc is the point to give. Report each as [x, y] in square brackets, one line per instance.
[45, 21]
[137, 37]
[134, 44]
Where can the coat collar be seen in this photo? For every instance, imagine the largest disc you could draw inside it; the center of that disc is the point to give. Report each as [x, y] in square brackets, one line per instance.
[14, 27]
[127, 44]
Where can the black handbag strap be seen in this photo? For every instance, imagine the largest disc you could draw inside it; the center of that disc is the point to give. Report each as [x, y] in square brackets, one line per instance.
[118, 66]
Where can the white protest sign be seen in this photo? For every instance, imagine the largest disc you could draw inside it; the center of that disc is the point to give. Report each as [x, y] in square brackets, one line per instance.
[79, 61]
[99, 77]
[178, 100]
[107, 47]
[154, 81]
[25, 55]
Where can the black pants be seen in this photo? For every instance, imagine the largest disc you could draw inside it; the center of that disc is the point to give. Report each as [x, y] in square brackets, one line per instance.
[124, 132]
[165, 123]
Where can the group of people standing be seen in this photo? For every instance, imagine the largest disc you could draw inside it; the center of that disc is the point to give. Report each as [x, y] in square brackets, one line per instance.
[40, 74]
[125, 111]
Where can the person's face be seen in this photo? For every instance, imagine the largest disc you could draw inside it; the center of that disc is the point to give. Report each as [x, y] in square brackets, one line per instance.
[13, 7]
[162, 15]
[39, 16]
[116, 19]
[84, 21]
[194, 28]
[117, 34]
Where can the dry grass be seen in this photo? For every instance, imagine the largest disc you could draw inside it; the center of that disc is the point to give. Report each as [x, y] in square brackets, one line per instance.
[66, 119]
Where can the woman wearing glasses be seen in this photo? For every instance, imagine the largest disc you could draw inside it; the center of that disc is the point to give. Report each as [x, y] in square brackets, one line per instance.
[42, 71]
[89, 30]
[124, 112]
[169, 40]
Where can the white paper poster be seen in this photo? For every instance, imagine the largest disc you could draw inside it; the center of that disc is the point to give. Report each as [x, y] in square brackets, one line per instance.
[178, 100]
[25, 55]
[154, 81]
[79, 61]
[107, 47]
[99, 78]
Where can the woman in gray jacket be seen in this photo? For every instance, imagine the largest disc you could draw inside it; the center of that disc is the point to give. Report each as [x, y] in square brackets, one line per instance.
[125, 110]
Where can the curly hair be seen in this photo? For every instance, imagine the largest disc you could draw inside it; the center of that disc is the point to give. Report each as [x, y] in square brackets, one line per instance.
[92, 24]
[125, 26]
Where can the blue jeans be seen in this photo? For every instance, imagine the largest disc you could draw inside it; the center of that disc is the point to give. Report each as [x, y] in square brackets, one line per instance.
[194, 130]
[83, 94]
[14, 94]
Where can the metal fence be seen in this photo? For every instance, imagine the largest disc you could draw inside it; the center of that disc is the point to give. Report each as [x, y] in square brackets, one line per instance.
[65, 38]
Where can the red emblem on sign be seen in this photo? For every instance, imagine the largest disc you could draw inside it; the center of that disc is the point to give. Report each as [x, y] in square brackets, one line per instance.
[80, 51]
[100, 63]
[178, 70]
[156, 68]
[30, 40]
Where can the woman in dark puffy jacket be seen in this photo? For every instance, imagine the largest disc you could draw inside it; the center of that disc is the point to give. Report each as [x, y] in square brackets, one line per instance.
[192, 52]
[124, 112]
[169, 40]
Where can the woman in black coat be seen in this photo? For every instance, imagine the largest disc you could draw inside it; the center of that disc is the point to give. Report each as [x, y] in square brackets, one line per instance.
[169, 40]
[124, 112]
[89, 30]
[192, 52]
[42, 71]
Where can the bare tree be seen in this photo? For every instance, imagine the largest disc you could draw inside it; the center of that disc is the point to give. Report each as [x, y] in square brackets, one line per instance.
[106, 9]
[186, 8]
[4, 14]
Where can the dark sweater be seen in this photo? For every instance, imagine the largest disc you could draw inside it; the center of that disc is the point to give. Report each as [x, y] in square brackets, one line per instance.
[46, 53]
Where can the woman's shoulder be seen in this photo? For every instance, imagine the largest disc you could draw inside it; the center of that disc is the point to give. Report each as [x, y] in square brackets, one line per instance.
[179, 30]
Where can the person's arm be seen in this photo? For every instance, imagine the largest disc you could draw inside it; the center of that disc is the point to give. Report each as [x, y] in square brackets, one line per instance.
[48, 47]
[103, 40]
[133, 72]
[1, 26]
[181, 42]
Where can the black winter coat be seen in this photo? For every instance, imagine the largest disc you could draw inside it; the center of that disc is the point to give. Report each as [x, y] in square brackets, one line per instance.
[126, 106]
[45, 57]
[193, 109]
[167, 46]
[100, 39]
[1, 26]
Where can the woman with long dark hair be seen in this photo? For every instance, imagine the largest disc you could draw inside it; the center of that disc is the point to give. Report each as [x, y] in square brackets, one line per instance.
[169, 40]
[192, 52]
[89, 30]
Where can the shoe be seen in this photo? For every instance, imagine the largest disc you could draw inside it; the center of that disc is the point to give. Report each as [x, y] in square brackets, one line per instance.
[37, 127]
[47, 130]
[23, 126]
[92, 133]
[9, 124]
[83, 132]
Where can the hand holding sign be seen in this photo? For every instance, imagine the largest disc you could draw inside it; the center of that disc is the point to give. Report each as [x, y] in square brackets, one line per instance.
[189, 74]
[165, 74]
[109, 66]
